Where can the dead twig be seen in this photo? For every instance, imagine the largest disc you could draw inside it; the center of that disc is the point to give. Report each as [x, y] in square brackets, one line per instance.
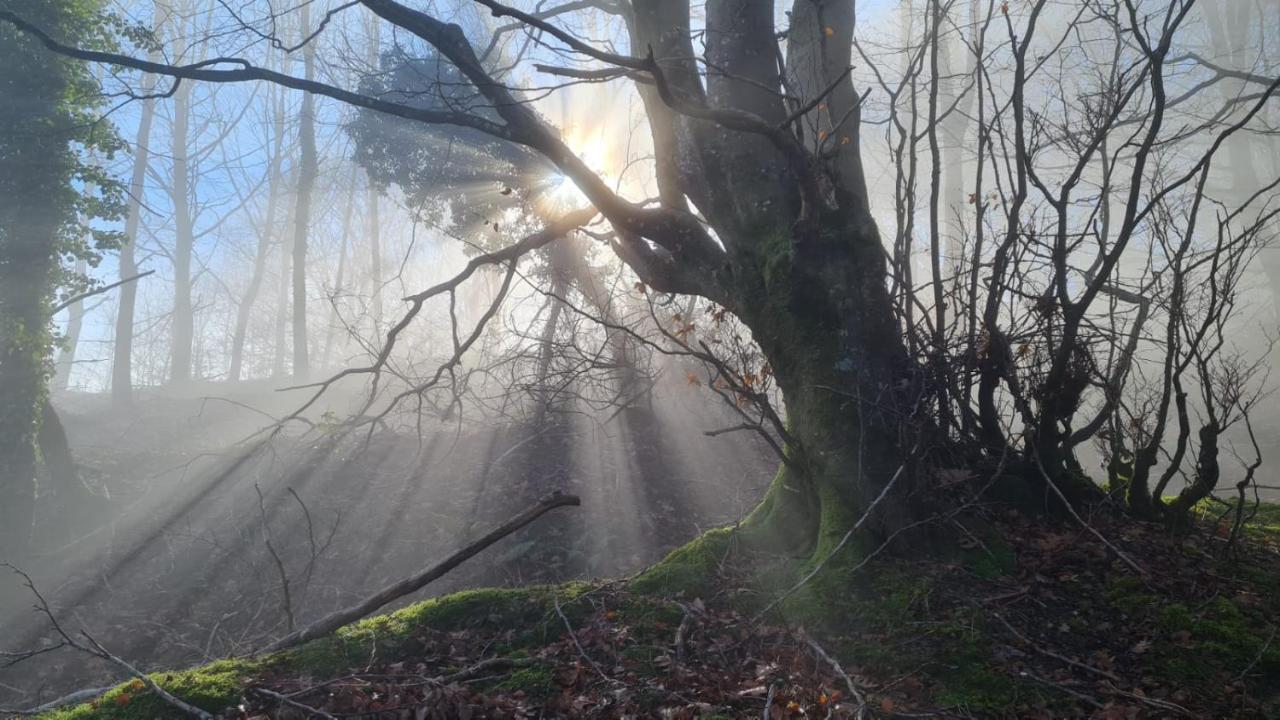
[160, 692]
[93, 647]
[286, 700]
[856, 694]
[574, 637]
[1049, 653]
[839, 546]
[1088, 699]
[287, 596]
[1102, 538]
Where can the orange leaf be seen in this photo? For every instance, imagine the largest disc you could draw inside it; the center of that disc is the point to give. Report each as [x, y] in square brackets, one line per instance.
[692, 379]
[828, 31]
[123, 699]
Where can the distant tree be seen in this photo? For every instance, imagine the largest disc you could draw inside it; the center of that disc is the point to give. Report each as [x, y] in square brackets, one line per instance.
[48, 126]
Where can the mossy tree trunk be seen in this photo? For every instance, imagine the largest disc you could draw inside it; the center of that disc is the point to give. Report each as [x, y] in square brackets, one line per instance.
[803, 264]
[826, 326]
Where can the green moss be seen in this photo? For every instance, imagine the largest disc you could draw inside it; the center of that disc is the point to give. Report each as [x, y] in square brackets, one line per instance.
[1128, 595]
[533, 681]
[690, 568]
[993, 558]
[217, 685]
[211, 687]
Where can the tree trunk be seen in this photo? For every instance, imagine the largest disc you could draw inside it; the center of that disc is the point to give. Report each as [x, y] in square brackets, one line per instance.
[70, 343]
[373, 229]
[835, 351]
[331, 328]
[184, 240]
[302, 214]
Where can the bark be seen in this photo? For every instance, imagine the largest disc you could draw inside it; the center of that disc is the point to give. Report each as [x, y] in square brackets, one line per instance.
[307, 171]
[184, 239]
[843, 371]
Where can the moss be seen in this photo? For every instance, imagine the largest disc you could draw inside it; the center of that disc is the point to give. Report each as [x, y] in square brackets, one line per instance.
[218, 685]
[993, 558]
[1128, 595]
[533, 681]
[211, 687]
[1221, 630]
[690, 568]
[965, 675]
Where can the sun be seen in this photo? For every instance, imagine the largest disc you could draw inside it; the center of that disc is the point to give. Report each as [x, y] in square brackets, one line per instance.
[590, 145]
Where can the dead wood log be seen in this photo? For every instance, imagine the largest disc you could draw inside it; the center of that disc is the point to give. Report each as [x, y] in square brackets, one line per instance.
[346, 616]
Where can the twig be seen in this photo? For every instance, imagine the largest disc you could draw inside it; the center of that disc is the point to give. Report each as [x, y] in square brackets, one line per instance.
[1153, 702]
[574, 637]
[287, 596]
[848, 681]
[839, 546]
[151, 684]
[1261, 651]
[482, 667]
[335, 620]
[1119, 553]
[285, 699]
[680, 635]
[96, 649]
[1074, 693]
[1049, 653]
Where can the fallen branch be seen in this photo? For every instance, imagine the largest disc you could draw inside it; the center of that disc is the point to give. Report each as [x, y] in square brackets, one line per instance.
[857, 695]
[286, 700]
[1057, 656]
[1142, 573]
[574, 637]
[346, 616]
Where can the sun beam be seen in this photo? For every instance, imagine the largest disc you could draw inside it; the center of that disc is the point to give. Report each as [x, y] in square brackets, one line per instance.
[589, 143]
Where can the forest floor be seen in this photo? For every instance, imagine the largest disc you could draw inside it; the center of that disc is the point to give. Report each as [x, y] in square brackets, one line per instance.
[1024, 620]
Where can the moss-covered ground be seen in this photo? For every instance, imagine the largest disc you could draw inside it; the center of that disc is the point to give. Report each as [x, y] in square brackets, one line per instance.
[1018, 618]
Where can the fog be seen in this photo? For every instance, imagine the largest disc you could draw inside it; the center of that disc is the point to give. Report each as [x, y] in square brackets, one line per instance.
[313, 342]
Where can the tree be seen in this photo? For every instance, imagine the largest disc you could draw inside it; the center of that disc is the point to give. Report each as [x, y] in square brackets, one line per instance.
[763, 208]
[307, 170]
[44, 144]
